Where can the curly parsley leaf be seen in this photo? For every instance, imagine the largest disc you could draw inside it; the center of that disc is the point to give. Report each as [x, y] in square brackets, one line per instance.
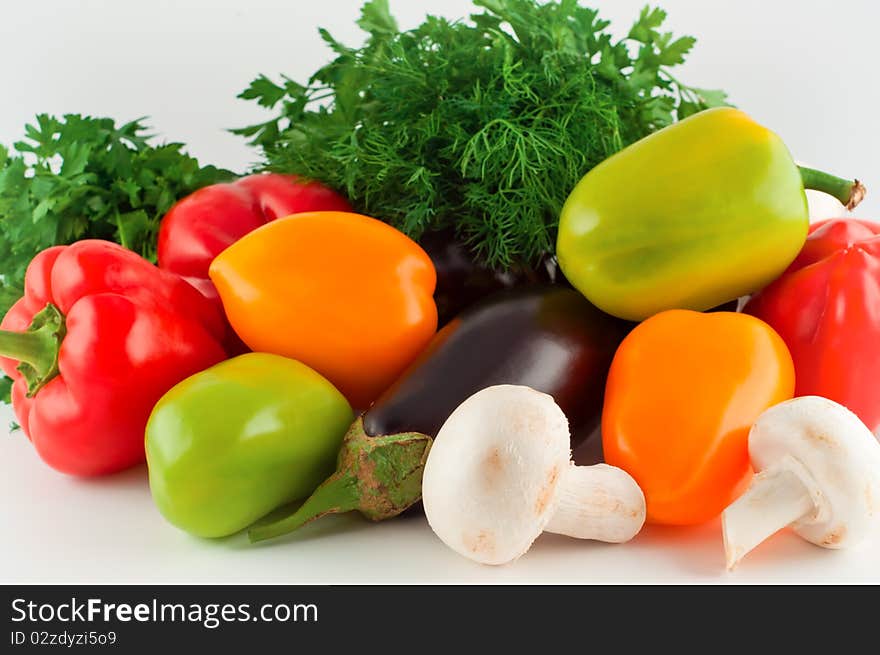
[5, 389]
[79, 177]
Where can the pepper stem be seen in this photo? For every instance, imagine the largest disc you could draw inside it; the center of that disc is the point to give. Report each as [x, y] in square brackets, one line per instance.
[849, 192]
[36, 348]
[378, 476]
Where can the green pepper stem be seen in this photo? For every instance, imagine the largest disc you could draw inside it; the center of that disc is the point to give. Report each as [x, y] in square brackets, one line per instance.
[337, 494]
[36, 348]
[849, 192]
[30, 347]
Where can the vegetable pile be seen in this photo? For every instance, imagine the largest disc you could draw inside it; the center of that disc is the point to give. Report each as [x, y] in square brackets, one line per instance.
[443, 284]
[480, 125]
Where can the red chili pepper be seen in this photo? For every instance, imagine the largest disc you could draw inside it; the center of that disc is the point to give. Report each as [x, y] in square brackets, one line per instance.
[99, 336]
[826, 307]
[202, 225]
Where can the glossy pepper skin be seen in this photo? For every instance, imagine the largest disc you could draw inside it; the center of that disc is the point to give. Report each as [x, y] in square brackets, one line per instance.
[109, 334]
[546, 337]
[205, 223]
[345, 294]
[683, 391]
[230, 444]
[704, 211]
[826, 307]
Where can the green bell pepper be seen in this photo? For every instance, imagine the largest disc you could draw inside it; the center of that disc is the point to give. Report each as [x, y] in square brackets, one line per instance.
[230, 444]
[690, 217]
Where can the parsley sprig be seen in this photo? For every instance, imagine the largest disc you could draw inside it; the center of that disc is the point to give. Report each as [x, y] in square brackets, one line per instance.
[80, 177]
[483, 124]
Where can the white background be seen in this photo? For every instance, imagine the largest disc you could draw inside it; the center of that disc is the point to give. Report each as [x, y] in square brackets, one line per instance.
[806, 69]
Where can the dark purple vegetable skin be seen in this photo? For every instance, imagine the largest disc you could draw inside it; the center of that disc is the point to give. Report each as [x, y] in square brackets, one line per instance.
[462, 281]
[546, 337]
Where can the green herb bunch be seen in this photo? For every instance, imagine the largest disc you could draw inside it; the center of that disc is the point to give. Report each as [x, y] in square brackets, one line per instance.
[484, 125]
[80, 177]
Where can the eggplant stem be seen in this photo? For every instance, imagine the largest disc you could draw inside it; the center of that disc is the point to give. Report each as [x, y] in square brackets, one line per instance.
[336, 495]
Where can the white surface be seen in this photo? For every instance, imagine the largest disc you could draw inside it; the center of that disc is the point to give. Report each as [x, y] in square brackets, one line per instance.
[58, 529]
[804, 68]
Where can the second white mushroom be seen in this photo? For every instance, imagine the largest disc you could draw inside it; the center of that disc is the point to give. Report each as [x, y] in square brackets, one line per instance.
[818, 471]
[499, 473]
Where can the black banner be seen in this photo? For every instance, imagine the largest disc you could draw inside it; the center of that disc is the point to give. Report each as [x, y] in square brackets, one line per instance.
[130, 619]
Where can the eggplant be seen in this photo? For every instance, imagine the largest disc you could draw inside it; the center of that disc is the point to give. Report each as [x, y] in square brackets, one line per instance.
[547, 337]
[463, 281]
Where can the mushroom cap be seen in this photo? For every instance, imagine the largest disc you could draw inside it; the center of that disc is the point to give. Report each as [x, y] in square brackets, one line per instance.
[838, 459]
[491, 478]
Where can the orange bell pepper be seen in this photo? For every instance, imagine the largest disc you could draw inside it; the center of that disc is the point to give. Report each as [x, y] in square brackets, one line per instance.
[683, 391]
[345, 294]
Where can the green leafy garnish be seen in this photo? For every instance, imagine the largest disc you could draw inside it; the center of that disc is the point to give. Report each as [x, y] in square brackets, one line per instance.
[80, 177]
[485, 125]
[5, 388]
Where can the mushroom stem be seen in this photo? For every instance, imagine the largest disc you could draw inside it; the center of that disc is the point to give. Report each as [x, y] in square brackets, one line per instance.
[598, 502]
[776, 498]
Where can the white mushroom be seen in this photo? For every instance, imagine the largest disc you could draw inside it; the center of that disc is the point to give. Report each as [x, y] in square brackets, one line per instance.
[818, 471]
[499, 473]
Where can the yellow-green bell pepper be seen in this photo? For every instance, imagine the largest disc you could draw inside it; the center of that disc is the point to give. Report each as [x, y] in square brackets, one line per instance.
[230, 444]
[700, 213]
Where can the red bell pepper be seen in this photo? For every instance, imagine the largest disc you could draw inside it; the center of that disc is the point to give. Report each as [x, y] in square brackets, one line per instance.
[826, 307]
[98, 337]
[202, 225]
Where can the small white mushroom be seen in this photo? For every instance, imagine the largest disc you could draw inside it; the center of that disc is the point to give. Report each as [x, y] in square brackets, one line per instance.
[499, 473]
[818, 471]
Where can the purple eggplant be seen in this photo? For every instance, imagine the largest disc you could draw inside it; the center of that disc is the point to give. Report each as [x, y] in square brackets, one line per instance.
[546, 337]
[462, 281]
